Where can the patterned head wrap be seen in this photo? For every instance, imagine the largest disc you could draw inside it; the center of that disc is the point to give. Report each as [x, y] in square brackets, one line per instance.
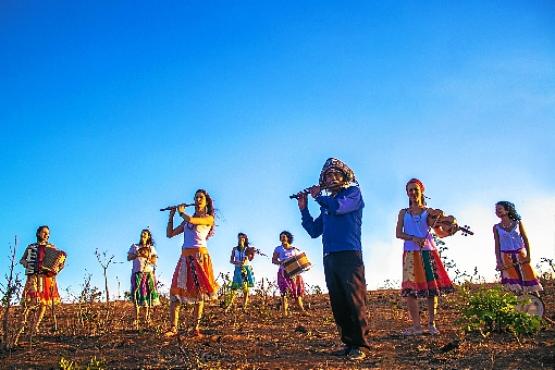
[335, 165]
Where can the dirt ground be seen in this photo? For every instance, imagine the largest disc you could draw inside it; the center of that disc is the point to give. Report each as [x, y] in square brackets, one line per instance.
[261, 339]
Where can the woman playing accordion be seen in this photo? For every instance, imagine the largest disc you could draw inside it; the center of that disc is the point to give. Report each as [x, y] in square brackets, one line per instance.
[42, 261]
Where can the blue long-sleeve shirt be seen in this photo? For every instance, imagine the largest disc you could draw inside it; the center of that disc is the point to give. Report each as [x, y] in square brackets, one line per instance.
[339, 222]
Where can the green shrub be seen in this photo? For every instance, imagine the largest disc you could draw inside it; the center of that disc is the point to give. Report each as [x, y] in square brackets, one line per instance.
[493, 310]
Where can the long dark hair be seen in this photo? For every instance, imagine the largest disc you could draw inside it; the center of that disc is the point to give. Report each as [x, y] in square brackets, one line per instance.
[149, 241]
[288, 235]
[510, 208]
[210, 210]
[246, 240]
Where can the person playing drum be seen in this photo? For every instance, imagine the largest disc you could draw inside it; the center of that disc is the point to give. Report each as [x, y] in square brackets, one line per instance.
[423, 271]
[243, 276]
[143, 281]
[293, 286]
[41, 289]
[339, 223]
[193, 279]
[512, 251]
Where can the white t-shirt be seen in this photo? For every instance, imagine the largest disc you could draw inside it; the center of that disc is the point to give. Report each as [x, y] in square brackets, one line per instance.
[286, 253]
[194, 236]
[141, 264]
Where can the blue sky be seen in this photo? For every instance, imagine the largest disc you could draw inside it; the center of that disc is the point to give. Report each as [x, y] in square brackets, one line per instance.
[112, 111]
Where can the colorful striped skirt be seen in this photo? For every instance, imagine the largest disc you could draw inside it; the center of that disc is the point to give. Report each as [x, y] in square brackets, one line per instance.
[424, 275]
[143, 289]
[243, 277]
[193, 278]
[293, 287]
[519, 277]
[41, 289]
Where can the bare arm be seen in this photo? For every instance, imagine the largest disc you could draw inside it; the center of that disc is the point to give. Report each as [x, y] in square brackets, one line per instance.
[170, 231]
[400, 234]
[206, 220]
[497, 249]
[525, 239]
[275, 259]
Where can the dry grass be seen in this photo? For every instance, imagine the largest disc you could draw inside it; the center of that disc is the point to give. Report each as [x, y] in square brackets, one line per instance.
[260, 338]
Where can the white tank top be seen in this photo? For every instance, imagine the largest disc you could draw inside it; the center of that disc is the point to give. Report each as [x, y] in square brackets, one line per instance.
[417, 225]
[239, 256]
[194, 236]
[509, 241]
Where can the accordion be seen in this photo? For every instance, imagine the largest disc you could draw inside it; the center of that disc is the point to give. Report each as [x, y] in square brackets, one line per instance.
[52, 262]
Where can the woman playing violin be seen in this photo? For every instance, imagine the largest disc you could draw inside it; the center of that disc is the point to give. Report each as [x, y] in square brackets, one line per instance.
[243, 276]
[143, 280]
[423, 272]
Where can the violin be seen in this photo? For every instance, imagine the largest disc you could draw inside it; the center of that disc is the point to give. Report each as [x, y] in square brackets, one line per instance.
[144, 251]
[251, 251]
[446, 225]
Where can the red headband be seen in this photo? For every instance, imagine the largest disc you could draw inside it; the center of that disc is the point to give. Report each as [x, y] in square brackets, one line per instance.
[418, 183]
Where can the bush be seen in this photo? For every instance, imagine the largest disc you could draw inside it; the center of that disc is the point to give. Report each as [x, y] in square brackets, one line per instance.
[493, 310]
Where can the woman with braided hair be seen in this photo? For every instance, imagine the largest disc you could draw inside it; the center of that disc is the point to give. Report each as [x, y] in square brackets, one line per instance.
[423, 273]
[512, 251]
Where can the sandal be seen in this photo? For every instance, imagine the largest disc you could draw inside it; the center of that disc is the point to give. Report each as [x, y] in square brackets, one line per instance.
[433, 330]
[411, 331]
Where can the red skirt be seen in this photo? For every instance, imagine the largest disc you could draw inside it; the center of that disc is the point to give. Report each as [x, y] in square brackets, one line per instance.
[193, 278]
[41, 289]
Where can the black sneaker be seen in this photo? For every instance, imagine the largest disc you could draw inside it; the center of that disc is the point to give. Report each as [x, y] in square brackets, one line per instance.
[342, 352]
[355, 354]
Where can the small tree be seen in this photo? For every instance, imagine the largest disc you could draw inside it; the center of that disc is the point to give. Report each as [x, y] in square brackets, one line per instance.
[9, 291]
[105, 262]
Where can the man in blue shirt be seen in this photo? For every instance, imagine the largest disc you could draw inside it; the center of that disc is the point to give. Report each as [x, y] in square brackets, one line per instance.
[339, 223]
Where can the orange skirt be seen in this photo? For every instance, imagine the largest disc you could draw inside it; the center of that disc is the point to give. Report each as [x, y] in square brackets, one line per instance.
[41, 289]
[424, 275]
[193, 278]
[519, 277]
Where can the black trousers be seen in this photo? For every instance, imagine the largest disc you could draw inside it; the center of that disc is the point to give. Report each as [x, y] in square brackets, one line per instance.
[347, 290]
